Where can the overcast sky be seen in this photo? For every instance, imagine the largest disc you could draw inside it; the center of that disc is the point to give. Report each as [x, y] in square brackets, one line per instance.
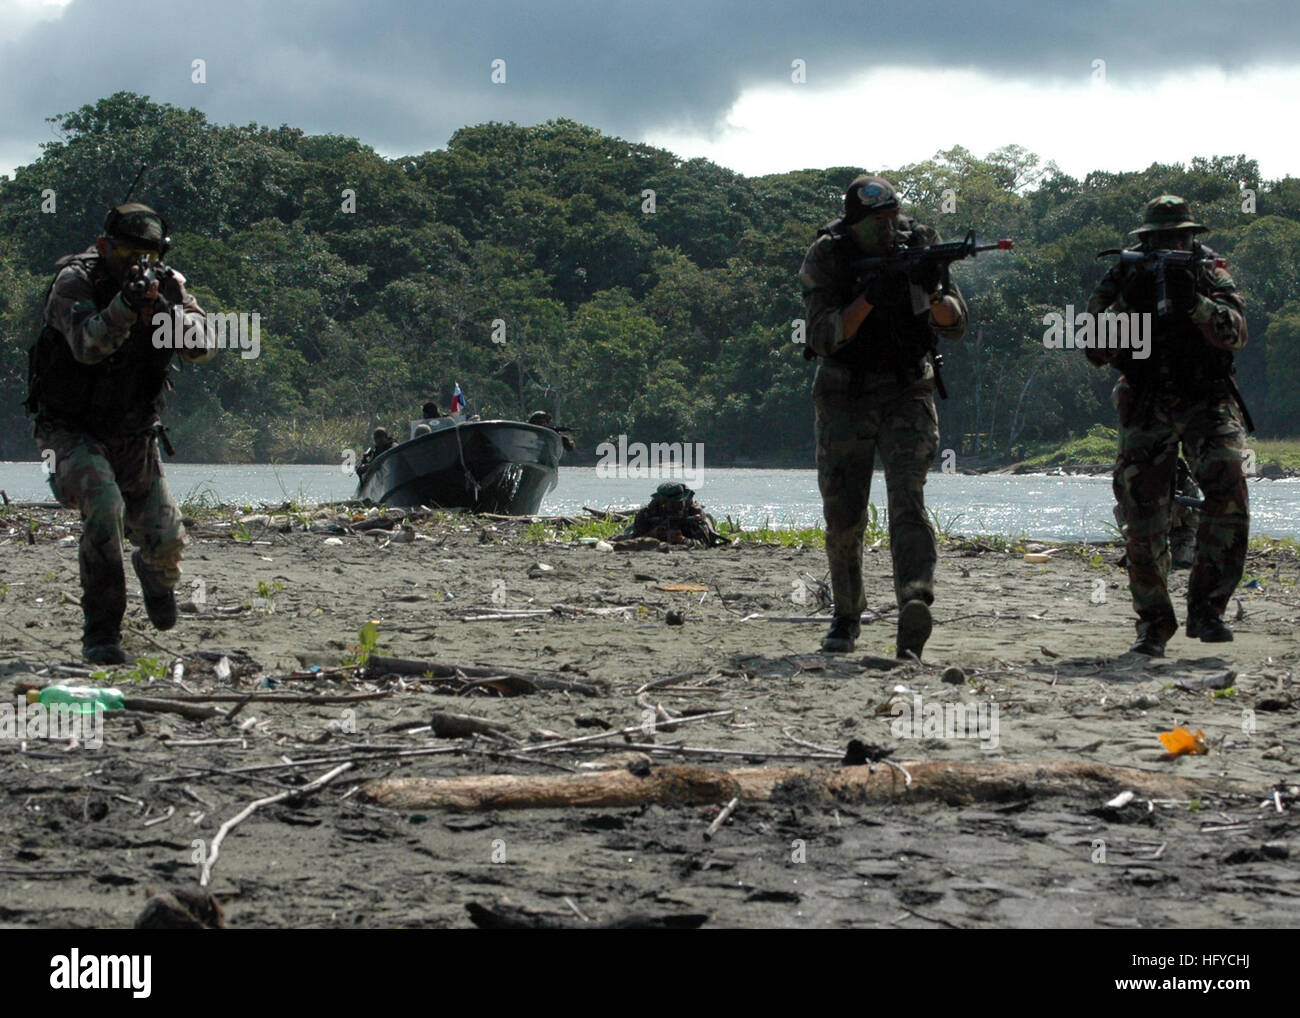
[1097, 85]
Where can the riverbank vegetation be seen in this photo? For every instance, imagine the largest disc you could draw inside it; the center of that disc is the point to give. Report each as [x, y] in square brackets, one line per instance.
[617, 285]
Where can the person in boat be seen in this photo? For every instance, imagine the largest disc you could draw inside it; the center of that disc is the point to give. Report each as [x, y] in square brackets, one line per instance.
[543, 420]
[382, 443]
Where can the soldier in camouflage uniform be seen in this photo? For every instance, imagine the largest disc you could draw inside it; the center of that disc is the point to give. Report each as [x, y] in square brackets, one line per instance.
[98, 372]
[1183, 392]
[874, 390]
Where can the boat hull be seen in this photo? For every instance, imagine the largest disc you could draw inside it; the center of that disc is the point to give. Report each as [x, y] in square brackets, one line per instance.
[486, 466]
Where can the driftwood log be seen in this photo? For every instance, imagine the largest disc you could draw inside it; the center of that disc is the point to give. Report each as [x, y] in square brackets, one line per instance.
[952, 782]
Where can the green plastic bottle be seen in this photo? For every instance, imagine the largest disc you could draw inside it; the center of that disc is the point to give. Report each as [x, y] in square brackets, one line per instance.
[86, 699]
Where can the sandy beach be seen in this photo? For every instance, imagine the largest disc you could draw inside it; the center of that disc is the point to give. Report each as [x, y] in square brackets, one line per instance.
[1035, 650]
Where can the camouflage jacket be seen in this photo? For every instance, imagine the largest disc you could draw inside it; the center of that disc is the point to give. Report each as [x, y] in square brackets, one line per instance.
[828, 283]
[94, 333]
[1182, 356]
[97, 366]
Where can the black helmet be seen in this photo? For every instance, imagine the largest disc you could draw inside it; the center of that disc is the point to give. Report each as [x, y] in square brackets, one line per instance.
[866, 196]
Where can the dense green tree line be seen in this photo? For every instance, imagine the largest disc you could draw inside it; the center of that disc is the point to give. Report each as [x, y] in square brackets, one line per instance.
[622, 288]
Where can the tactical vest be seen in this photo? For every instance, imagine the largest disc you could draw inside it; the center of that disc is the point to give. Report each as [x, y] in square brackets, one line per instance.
[1180, 358]
[120, 395]
[890, 339]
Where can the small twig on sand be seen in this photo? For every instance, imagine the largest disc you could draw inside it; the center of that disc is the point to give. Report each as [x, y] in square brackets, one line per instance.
[205, 876]
[667, 681]
[631, 730]
[244, 701]
[157, 820]
[577, 911]
[723, 816]
[807, 745]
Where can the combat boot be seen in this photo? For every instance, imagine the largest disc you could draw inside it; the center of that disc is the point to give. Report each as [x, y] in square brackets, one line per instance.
[104, 654]
[101, 644]
[159, 603]
[914, 625]
[1153, 635]
[101, 631]
[1208, 626]
[843, 634]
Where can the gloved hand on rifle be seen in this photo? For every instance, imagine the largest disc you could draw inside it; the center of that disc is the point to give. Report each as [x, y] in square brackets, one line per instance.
[886, 289]
[1180, 288]
[139, 288]
[926, 275]
[1138, 290]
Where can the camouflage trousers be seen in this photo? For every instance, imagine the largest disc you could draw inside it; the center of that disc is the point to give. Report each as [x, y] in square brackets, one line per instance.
[901, 422]
[1213, 437]
[119, 487]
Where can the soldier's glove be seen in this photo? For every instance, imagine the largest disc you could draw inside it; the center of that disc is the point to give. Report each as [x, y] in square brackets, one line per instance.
[136, 288]
[926, 275]
[885, 289]
[1180, 288]
[1138, 290]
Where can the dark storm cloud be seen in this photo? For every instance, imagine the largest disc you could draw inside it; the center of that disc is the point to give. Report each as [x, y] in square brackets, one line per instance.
[404, 75]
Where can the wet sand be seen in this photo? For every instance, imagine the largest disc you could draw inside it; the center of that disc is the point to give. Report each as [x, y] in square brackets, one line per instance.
[1044, 642]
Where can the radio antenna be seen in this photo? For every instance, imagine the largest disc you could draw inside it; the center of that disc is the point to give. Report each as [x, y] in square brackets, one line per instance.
[130, 190]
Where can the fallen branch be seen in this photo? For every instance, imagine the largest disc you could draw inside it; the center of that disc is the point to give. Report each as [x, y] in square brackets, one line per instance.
[312, 786]
[279, 698]
[952, 782]
[378, 665]
[866, 617]
[189, 710]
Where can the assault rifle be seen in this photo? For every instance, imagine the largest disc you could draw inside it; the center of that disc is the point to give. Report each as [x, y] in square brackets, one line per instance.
[150, 272]
[1157, 261]
[943, 255]
[906, 259]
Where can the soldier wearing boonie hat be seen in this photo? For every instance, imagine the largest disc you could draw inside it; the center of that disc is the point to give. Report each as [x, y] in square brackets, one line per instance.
[1182, 393]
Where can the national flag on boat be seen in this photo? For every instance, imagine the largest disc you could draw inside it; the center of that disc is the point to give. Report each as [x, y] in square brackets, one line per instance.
[457, 400]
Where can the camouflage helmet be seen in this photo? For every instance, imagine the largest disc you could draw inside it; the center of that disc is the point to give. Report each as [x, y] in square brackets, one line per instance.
[139, 225]
[868, 195]
[540, 418]
[1167, 212]
[381, 434]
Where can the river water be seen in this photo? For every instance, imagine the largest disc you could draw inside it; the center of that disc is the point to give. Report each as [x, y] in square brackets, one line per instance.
[1060, 508]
